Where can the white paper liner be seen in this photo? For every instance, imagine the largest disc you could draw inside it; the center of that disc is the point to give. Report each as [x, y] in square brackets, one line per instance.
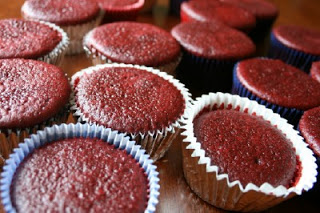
[216, 189]
[98, 58]
[76, 32]
[157, 142]
[79, 130]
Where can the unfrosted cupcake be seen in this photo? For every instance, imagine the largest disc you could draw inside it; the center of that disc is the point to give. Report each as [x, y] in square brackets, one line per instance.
[32, 93]
[79, 168]
[124, 10]
[143, 102]
[231, 154]
[281, 87]
[76, 18]
[32, 40]
[295, 45]
[315, 71]
[133, 43]
[207, 11]
[210, 51]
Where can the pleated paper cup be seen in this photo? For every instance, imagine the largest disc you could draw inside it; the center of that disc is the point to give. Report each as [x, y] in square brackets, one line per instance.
[216, 189]
[156, 142]
[48, 135]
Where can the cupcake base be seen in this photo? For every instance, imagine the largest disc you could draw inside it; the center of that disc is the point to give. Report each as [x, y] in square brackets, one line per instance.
[296, 58]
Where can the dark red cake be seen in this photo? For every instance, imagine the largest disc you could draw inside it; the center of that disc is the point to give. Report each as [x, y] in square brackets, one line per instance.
[61, 12]
[309, 126]
[123, 5]
[213, 40]
[279, 83]
[261, 9]
[31, 92]
[26, 39]
[79, 175]
[207, 11]
[128, 99]
[315, 71]
[134, 43]
[246, 147]
[298, 38]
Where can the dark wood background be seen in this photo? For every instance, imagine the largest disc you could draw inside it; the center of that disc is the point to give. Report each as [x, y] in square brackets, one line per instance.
[175, 195]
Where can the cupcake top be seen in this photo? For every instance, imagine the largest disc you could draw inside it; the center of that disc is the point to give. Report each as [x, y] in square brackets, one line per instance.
[79, 174]
[123, 5]
[229, 14]
[309, 127]
[213, 40]
[279, 83]
[315, 71]
[61, 12]
[128, 99]
[246, 147]
[134, 43]
[26, 39]
[31, 92]
[298, 38]
[262, 9]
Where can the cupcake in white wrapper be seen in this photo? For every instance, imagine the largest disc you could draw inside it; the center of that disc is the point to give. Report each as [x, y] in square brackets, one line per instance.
[133, 43]
[75, 18]
[64, 131]
[204, 178]
[126, 110]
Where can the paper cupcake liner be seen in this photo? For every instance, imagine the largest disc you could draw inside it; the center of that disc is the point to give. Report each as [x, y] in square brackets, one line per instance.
[78, 130]
[77, 32]
[127, 13]
[97, 58]
[156, 142]
[293, 115]
[206, 74]
[291, 56]
[204, 179]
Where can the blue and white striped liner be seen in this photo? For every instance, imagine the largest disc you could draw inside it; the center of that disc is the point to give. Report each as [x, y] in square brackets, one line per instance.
[63, 131]
[291, 56]
[293, 115]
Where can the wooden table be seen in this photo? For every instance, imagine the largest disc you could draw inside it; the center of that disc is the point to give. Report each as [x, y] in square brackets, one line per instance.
[175, 195]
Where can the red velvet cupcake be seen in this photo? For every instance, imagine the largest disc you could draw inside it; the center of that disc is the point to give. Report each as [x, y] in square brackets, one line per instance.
[124, 10]
[315, 71]
[32, 40]
[76, 18]
[295, 45]
[207, 11]
[240, 156]
[133, 43]
[144, 103]
[32, 92]
[279, 86]
[210, 51]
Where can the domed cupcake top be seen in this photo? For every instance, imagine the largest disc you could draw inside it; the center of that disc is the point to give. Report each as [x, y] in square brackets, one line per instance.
[315, 71]
[128, 99]
[213, 40]
[279, 83]
[30, 92]
[26, 39]
[83, 174]
[262, 9]
[309, 127]
[122, 5]
[299, 38]
[229, 14]
[134, 43]
[61, 12]
[246, 147]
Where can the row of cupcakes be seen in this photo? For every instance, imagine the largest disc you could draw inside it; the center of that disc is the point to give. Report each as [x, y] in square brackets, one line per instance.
[149, 105]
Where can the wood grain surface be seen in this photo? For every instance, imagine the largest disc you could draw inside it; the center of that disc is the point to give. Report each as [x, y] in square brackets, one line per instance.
[175, 195]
